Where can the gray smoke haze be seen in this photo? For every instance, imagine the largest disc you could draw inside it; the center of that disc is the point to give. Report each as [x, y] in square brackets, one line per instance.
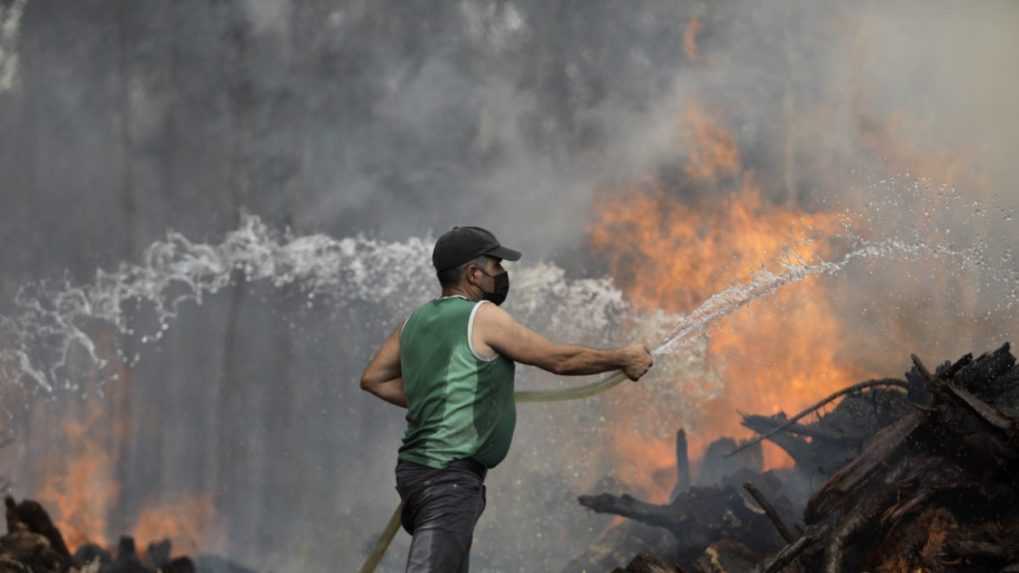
[395, 120]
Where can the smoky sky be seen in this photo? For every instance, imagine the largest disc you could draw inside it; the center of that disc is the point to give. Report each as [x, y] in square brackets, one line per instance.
[396, 119]
[403, 118]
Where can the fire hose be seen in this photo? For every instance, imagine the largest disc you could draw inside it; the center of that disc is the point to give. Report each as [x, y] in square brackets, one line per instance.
[523, 396]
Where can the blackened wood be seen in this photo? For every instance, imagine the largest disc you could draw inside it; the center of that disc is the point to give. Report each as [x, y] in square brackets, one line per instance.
[850, 478]
[854, 518]
[718, 466]
[179, 565]
[820, 404]
[817, 458]
[765, 424]
[1003, 391]
[32, 515]
[682, 463]
[791, 552]
[954, 455]
[952, 369]
[629, 506]
[89, 552]
[704, 515]
[973, 548]
[985, 368]
[158, 553]
[27, 552]
[769, 510]
[925, 373]
[126, 560]
[984, 411]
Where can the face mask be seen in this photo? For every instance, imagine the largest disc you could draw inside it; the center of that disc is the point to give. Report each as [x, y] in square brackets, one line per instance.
[497, 296]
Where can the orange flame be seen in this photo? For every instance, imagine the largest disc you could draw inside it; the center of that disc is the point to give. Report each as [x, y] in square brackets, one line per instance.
[713, 153]
[83, 489]
[690, 33]
[189, 522]
[671, 255]
[82, 492]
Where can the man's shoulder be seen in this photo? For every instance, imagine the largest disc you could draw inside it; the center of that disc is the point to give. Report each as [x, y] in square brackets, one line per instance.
[493, 318]
[491, 311]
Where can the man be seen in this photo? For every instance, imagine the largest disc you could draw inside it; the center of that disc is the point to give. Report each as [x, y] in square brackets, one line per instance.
[451, 364]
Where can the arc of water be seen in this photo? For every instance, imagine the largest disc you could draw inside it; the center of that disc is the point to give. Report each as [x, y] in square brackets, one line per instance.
[717, 306]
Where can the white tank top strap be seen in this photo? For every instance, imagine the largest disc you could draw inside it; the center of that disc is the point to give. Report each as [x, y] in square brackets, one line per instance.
[470, 334]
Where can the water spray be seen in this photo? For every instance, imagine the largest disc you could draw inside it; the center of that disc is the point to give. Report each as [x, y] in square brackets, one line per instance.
[39, 339]
[719, 305]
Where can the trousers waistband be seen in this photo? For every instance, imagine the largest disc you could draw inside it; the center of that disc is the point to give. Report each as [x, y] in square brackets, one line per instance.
[470, 465]
[463, 465]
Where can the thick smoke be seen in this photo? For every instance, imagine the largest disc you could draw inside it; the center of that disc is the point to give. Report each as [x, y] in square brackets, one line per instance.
[10, 22]
[396, 120]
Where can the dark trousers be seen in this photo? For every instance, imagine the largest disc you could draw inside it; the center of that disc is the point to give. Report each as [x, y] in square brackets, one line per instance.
[440, 509]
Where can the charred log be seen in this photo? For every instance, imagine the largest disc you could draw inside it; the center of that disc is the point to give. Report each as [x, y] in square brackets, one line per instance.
[704, 515]
[770, 511]
[33, 544]
[179, 565]
[936, 490]
[127, 560]
[91, 553]
[847, 414]
[32, 540]
[848, 483]
[794, 550]
[682, 464]
[924, 475]
[719, 463]
[30, 515]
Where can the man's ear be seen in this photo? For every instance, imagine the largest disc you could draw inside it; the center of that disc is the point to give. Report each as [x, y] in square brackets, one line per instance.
[469, 274]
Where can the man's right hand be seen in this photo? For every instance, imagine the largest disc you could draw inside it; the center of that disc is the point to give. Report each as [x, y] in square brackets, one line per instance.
[638, 361]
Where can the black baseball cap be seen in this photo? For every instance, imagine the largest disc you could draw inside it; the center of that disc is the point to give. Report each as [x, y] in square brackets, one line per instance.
[461, 244]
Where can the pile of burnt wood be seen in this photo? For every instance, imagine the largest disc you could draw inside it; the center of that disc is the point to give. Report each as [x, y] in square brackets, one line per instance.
[920, 474]
[33, 544]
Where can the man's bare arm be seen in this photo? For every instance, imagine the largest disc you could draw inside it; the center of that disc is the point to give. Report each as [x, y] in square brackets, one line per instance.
[500, 332]
[383, 377]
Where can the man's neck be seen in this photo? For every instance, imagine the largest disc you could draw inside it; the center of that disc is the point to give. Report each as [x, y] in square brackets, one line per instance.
[459, 291]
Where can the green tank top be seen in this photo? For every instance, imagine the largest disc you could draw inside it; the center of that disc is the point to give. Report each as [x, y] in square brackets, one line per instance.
[459, 405]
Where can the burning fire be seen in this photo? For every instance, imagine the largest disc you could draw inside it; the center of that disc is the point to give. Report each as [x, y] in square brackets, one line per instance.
[671, 254]
[690, 33]
[82, 492]
[189, 522]
[713, 153]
